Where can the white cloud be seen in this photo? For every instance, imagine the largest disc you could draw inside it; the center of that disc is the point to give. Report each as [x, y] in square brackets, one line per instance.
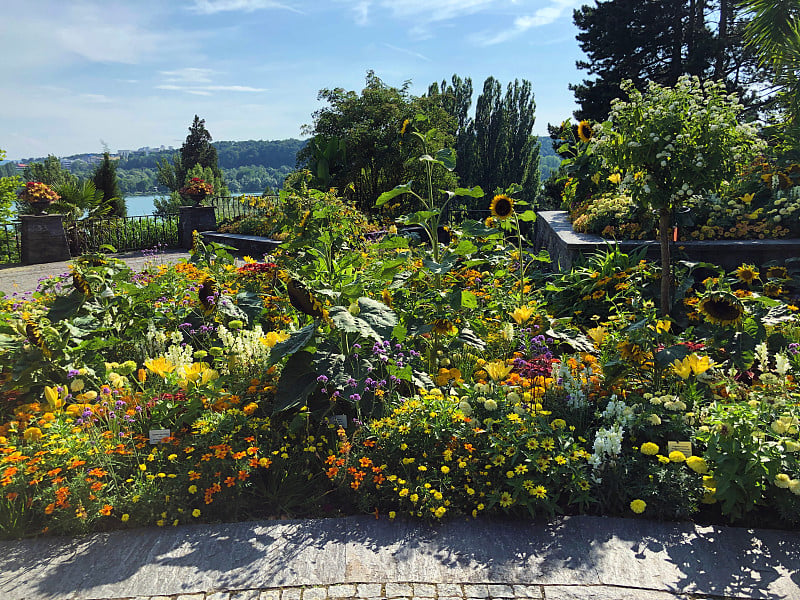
[543, 16]
[210, 7]
[188, 75]
[407, 51]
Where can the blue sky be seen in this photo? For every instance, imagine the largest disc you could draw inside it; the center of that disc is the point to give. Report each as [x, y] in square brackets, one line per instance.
[80, 73]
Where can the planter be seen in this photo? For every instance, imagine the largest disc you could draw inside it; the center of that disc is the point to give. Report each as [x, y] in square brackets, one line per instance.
[195, 218]
[39, 208]
[554, 233]
[195, 199]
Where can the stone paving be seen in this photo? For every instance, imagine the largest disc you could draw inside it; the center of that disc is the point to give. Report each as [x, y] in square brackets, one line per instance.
[17, 280]
[571, 558]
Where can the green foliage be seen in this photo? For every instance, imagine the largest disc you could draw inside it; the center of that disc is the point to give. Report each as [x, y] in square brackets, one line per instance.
[48, 172]
[105, 181]
[196, 150]
[659, 41]
[8, 195]
[369, 126]
[497, 147]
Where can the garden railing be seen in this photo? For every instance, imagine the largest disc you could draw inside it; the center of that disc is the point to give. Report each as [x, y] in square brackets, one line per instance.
[10, 243]
[123, 233]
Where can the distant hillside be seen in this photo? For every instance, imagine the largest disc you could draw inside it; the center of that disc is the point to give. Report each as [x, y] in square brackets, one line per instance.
[248, 166]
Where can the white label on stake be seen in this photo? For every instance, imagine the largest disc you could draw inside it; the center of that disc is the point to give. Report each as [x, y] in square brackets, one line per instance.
[158, 435]
[685, 447]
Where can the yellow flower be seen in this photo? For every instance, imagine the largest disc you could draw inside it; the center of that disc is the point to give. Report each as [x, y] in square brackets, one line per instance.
[699, 364]
[502, 207]
[662, 326]
[521, 314]
[439, 512]
[697, 464]
[649, 448]
[445, 469]
[160, 366]
[682, 368]
[54, 399]
[615, 178]
[273, 337]
[595, 178]
[677, 456]
[405, 125]
[392, 514]
[196, 513]
[585, 131]
[598, 335]
[721, 308]
[747, 199]
[497, 370]
[663, 459]
[747, 274]
[638, 506]
[782, 480]
[192, 489]
[506, 500]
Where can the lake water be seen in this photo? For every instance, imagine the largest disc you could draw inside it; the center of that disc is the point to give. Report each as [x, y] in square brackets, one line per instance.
[143, 205]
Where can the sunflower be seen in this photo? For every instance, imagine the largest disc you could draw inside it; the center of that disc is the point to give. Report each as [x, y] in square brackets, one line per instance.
[442, 326]
[303, 300]
[403, 128]
[81, 284]
[584, 131]
[777, 273]
[721, 308]
[747, 274]
[502, 207]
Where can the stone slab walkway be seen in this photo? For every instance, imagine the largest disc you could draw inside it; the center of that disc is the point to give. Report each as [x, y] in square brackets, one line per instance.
[17, 280]
[573, 558]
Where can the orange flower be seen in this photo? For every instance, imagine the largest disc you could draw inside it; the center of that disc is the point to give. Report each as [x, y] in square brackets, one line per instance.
[48, 510]
[230, 481]
[106, 510]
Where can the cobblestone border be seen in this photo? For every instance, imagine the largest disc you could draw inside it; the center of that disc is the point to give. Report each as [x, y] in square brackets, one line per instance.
[436, 591]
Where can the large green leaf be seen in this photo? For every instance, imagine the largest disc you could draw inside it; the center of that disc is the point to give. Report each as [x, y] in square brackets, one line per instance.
[397, 191]
[295, 342]
[440, 268]
[379, 316]
[65, 306]
[298, 380]
[465, 248]
[474, 192]
[250, 304]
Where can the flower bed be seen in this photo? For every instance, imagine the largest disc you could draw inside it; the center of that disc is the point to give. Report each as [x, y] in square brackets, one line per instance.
[402, 378]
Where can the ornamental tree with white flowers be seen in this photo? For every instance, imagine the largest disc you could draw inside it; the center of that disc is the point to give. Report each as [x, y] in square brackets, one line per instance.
[671, 143]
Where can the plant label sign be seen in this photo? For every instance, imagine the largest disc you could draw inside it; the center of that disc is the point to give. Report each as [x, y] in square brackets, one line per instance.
[685, 447]
[157, 435]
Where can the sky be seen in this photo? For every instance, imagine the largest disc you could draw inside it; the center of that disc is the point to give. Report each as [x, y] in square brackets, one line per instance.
[81, 75]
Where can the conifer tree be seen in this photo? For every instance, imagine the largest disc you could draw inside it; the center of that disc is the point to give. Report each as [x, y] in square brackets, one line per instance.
[105, 179]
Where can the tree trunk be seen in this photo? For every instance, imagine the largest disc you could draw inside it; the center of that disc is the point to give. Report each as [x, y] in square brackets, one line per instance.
[722, 35]
[664, 231]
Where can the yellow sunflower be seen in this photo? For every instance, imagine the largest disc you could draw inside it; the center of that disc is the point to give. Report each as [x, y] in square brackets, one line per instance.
[777, 273]
[584, 131]
[404, 127]
[721, 308]
[502, 207]
[443, 326]
[747, 274]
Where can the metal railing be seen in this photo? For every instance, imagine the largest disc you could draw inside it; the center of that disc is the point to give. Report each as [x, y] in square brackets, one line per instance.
[231, 208]
[10, 243]
[123, 233]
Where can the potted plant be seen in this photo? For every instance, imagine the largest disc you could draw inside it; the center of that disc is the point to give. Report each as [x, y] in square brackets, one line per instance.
[196, 190]
[38, 196]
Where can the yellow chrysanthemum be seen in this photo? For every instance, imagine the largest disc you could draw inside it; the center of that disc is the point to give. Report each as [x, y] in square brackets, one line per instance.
[697, 464]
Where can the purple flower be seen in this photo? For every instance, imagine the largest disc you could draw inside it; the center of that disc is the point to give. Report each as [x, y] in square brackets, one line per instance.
[322, 379]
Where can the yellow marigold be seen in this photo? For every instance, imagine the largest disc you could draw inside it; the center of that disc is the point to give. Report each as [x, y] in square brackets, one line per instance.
[638, 506]
[649, 448]
[677, 456]
[697, 464]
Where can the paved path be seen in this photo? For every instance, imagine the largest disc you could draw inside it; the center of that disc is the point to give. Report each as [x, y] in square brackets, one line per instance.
[17, 280]
[572, 558]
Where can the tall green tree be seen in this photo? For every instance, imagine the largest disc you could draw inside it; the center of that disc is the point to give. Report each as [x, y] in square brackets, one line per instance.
[658, 40]
[196, 150]
[49, 172]
[497, 147]
[372, 156]
[8, 194]
[105, 180]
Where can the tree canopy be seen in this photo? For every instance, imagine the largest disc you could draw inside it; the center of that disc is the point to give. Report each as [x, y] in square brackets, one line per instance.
[196, 150]
[659, 40]
[105, 180]
[371, 125]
